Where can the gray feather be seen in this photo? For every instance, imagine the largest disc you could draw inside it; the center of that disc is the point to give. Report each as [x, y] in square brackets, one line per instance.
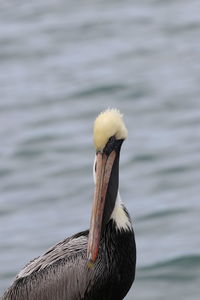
[66, 249]
[58, 274]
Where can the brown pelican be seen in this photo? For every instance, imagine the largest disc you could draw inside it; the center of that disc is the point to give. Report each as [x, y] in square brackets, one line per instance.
[98, 264]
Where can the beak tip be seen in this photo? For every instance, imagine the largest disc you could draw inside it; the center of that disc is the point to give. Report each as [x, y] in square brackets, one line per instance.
[90, 262]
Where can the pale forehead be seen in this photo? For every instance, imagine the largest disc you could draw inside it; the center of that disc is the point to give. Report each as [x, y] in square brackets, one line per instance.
[109, 123]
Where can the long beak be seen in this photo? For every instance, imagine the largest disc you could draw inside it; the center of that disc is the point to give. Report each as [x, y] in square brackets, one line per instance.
[104, 165]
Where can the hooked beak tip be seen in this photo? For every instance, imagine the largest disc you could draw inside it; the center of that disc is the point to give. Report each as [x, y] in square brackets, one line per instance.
[90, 264]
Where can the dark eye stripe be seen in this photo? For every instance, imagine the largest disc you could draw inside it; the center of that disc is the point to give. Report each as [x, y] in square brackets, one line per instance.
[112, 144]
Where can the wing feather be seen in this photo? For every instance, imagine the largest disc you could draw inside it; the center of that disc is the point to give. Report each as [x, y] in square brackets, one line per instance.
[60, 274]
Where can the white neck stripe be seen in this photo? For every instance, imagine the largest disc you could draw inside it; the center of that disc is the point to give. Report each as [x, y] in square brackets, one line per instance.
[119, 215]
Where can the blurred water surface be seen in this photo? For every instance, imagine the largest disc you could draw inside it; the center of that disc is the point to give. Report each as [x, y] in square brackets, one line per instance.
[62, 62]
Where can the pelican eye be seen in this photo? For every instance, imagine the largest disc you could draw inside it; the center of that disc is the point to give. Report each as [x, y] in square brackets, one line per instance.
[112, 144]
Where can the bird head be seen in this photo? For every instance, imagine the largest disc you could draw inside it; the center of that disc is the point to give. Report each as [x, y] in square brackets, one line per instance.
[109, 134]
[108, 128]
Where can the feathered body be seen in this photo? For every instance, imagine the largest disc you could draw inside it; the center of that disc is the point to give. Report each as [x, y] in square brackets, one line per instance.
[98, 264]
[63, 272]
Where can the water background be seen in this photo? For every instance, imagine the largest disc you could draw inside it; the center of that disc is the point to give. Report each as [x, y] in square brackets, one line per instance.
[61, 63]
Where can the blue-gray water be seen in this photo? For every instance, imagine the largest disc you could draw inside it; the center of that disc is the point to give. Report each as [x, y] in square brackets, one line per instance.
[61, 63]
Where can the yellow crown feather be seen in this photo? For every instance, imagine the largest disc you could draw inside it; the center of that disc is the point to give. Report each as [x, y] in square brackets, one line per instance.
[108, 123]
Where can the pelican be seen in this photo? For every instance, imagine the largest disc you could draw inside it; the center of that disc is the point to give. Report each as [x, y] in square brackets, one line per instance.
[99, 263]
